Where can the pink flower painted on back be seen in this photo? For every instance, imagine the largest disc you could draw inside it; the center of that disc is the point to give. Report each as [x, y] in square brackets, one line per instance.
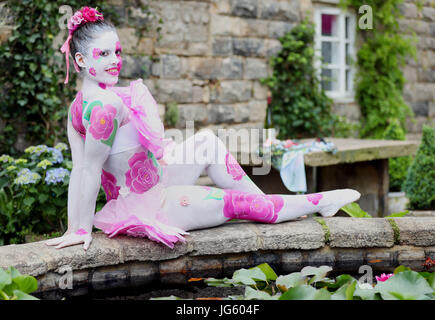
[233, 167]
[314, 198]
[102, 121]
[142, 174]
[108, 182]
[76, 114]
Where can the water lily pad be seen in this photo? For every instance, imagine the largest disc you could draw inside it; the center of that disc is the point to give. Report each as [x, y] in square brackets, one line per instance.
[289, 281]
[249, 276]
[319, 273]
[406, 285]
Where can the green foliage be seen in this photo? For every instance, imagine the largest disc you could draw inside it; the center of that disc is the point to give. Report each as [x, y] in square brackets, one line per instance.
[299, 107]
[312, 283]
[15, 286]
[420, 181]
[379, 80]
[354, 210]
[33, 97]
[34, 193]
[171, 114]
[398, 167]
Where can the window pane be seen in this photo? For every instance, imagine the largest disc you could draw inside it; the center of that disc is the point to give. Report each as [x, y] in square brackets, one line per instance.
[330, 78]
[330, 52]
[347, 84]
[347, 54]
[347, 27]
[329, 25]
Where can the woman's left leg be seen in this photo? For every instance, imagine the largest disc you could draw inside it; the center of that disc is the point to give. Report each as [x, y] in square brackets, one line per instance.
[205, 151]
[197, 207]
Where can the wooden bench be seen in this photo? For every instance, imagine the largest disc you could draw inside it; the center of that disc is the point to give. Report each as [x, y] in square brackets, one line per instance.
[358, 164]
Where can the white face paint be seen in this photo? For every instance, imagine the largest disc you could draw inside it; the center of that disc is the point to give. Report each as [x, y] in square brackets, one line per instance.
[103, 60]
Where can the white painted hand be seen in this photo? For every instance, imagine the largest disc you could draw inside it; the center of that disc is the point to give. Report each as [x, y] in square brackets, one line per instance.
[71, 240]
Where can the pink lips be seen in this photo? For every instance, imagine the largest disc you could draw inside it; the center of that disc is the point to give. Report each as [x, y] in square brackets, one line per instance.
[113, 71]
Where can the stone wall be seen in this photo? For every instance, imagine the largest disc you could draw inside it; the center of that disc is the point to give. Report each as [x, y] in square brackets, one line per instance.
[343, 243]
[212, 53]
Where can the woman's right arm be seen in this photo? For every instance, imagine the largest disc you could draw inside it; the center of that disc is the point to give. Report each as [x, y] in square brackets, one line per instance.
[77, 146]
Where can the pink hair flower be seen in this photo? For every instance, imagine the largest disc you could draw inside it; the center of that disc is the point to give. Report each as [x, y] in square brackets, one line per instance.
[384, 277]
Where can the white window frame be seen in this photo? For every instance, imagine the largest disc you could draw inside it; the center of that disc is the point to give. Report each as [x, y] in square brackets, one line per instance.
[341, 93]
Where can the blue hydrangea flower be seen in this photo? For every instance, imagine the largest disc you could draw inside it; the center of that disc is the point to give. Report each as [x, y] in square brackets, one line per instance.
[39, 149]
[61, 146]
[25, 176]
[57, 155]
[56, 175]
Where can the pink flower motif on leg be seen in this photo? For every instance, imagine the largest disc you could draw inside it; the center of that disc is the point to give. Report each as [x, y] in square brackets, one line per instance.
[233, 167]
[108, 182]
[248, 206]
[314, 198]
[102, 121]
[142, 174]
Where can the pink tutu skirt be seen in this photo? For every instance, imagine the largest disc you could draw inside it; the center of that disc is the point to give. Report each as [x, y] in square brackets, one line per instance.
[139, 215]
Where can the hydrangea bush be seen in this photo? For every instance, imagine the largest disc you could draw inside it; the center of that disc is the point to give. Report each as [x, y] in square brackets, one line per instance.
[34, 193]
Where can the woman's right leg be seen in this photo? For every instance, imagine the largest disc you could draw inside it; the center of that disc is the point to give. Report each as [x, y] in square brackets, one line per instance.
[197, 207]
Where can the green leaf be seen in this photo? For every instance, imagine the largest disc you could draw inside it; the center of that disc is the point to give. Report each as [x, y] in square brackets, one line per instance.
[365, 291]
[353, 209]
[303, 292]
[319, 273]
[401, 269]
[28, 201]
[405, 285]
[289, 281]
[249, 276]
[212, 282]
[252, 294]
[268, 271]
[26, 283]
[322, 294]
[23, 296]
[5, 278]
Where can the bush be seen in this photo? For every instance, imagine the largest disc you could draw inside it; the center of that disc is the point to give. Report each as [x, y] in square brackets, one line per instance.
[34, 193]
[420, 180]
[299, 107]
[398, 167]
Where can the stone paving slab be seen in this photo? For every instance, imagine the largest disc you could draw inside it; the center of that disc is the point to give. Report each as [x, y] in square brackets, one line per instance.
[416, 231]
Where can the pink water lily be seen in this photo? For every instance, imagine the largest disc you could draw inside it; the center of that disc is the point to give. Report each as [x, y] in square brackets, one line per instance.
[384, 277]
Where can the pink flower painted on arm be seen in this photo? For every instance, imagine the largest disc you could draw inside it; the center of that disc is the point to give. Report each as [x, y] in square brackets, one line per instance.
[314, 198]
[142, 174]
[384, 277]
[108, 182]
[233, 167]
[76, 114]
[102, 121]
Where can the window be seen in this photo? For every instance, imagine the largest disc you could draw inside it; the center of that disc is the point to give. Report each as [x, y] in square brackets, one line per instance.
[334, 43]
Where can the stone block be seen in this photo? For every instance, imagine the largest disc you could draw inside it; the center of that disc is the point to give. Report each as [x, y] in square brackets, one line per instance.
[232, 68]
[248, 47]
[129, 40]
[280, 10]
[271, 47]
[221, 113]
[244, 8]
[416, 231]
[227, 26]
[379, 260]
[229, 238]
[256, 28]
[204, 267]
[413, 259]
[349, 260]
[429, 13]
[168, 66]
[142, 273]
[255, 69]
[409, 10]
[111, 277]
[306, 234]
[177, 90]
[222, 46]
[235, 262]
[291, 261]
[320, 257]
[259, 91]
[278, 28]
[136, 67]
[359, 232]
[242, 112]
[420, 108]
[231, 91]
[175, 271]
[191, 112]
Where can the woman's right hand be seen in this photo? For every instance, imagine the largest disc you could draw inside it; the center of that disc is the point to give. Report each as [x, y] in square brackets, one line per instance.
[72, 239]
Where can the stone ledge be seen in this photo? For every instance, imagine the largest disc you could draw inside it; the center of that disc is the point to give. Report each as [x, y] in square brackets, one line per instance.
[221, 250]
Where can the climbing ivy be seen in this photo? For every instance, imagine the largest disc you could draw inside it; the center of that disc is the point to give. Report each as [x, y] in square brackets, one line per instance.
[380, 80]
[33, 97]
